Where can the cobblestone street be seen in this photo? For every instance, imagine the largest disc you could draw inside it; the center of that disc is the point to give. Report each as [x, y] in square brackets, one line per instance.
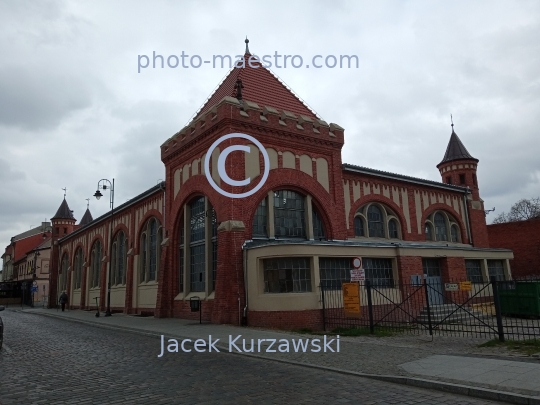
[53, 361]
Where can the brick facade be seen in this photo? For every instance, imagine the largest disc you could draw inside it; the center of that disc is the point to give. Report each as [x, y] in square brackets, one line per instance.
[305, 157]
[523, 237]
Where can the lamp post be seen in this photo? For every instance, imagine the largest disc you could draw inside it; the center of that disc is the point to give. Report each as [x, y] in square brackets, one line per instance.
[103, 186]
[34, 276]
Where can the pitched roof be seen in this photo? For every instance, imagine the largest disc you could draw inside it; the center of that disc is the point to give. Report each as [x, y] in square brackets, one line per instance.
[402, 177]
[63, 211]
[86, 219]
[456, 150]
[260, 86]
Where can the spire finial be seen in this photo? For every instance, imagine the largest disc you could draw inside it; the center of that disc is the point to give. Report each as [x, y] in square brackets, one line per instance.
[65, 192]
[87, 203]
[452, 121]
[239, 86]
[247, 47]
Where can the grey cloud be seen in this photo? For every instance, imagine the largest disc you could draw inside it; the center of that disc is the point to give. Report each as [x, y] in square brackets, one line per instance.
[33, 100]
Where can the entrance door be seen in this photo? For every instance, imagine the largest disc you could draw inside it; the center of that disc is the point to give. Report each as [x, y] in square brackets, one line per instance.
[432, 274]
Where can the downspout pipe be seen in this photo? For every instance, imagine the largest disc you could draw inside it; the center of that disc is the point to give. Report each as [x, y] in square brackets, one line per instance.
[244, 253]
[468, 216]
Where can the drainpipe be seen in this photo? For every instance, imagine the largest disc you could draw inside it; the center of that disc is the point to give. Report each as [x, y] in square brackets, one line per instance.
[244, 253]
[468, 217]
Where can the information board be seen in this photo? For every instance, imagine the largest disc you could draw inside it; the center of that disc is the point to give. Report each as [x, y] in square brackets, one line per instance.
[351, 299]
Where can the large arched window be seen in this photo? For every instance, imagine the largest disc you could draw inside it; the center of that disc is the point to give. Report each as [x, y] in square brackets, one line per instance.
[78, 268]
[259, 227]
[119, 258]
[376, 220]
[441, 232]
[95, 264]
[359, 226]
[62, 280]
[150, 250]
[197, 245]
[318, 225]
[393, 229]
[442, 227]
[289, 214]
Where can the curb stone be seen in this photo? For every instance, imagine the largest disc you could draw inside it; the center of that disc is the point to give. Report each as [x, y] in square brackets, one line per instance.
[465, 390]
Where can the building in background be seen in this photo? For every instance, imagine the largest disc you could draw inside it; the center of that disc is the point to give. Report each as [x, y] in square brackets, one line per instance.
[26, 264]
[523, 237]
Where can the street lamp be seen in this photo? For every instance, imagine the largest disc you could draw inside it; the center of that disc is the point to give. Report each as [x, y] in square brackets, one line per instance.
[102, 185]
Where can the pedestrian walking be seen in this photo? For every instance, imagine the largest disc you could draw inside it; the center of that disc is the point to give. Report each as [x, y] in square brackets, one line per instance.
[63, 300]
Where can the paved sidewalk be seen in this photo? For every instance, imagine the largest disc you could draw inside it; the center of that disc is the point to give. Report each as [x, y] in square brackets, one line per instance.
[443, 359]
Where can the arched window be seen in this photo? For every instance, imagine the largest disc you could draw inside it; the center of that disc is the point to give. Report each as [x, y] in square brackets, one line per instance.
[454, 233]
[259, 227]
[214, 248]
[78, 268]
[429, 231]
[393, 229]
[289, 214]
[63, 274]
[119, 259]
[95, 264]
[150, 251]
[197, 245]
[440, 227]
[375, 222]
[359, 227]
[181, 257]
[318, 225]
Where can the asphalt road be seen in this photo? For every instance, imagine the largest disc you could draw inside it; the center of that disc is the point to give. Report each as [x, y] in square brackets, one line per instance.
[54, 361]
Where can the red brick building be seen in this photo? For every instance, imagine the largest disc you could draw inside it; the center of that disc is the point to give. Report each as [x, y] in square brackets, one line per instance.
[523, 237]
[262, 258]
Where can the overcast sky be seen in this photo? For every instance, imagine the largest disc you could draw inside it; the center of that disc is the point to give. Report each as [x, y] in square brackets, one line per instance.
[74, 109]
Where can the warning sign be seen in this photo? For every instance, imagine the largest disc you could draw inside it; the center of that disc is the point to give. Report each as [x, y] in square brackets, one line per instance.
[465, 285]
[451, 286]
[358, 275]
[351, 299]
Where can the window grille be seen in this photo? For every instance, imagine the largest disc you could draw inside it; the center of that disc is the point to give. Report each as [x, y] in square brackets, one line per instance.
[287, 275]
[214, 248]
[474, 271]
[318, 225]
[375, 222]
[289, 214]
[393, 229]
[358, 226]
[153, 250]
[181, 261]
[259, 227]
[334, 271]
[431, 267]
[379, 271]
[496, 268]
[440, 227]
[96, 264]
[454, 233]
[197, 245]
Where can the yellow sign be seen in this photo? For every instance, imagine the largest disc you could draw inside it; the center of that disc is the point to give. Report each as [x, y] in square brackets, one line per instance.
[465, 285]
[351, 299]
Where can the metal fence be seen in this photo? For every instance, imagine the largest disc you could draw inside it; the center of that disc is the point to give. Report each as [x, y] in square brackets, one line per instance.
[500, 309]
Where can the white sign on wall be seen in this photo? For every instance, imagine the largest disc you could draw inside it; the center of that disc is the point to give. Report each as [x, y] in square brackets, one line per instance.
[358, 275]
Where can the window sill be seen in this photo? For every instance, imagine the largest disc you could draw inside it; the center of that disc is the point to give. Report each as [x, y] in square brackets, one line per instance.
[148, 284]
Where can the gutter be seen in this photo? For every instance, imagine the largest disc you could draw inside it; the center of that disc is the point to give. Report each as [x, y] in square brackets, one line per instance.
[468, 217]
[350, 168]
[244, 253]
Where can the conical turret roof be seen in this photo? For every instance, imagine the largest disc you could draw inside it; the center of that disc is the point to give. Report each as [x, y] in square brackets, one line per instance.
[87, 218]
[456, 150]
[64, 212]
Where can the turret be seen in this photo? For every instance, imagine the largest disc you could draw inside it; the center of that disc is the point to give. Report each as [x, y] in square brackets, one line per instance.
[459, 167]
[63, 221]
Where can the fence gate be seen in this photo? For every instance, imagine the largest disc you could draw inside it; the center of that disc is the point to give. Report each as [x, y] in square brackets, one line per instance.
[458, 309]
